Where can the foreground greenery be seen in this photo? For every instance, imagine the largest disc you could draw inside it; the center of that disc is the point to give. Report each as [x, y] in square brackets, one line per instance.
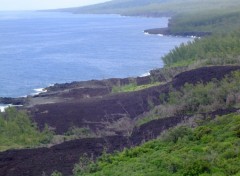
[18, 131]
[215, 50]
[212, 148]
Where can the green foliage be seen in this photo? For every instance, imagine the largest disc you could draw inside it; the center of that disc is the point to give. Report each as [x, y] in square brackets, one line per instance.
[216, 21]
[173, 135]
[208, 97]
[84, 165]
[145, 119]
[56, 173]
[18, 131]
[210, 149]
[199, 98]
[214, 50]
[79, 132]
[132, 87]
[72, 134]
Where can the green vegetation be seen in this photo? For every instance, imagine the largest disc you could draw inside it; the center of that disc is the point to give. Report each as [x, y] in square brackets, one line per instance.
[18, 131]
[208, 97]
[72, 134]
[212, 148]
[214, 50]
[133, 87]
[216, 22]
[56, 173]
[199, 98]
[75, 132]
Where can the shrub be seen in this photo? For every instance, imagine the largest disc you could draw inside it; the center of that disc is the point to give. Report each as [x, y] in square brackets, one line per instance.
[196, 167]
[174, 134]
[178, 152]
[85, 165]
[80, 132]
[198, 98]
[56, 173]
[214, 50]
[18, 131]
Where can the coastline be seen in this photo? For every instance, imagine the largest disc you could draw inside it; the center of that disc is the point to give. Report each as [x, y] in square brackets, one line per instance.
[167, 32]
[21, 100]
[62, 92]
[93, 105]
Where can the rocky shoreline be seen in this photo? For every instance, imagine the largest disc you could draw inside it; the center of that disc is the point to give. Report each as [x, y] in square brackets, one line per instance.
[91, 88]
[167, 32]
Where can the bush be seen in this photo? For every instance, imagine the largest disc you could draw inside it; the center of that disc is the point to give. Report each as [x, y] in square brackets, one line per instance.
[85, 165]
[56, 173]
[214, 50]
[80, 132]
[177, 133]
[178, 152]
[18, 131]
[197, 167]
[207, 97]
[198, 98]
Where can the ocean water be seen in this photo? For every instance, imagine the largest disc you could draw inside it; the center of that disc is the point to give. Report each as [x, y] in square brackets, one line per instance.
[38, 49]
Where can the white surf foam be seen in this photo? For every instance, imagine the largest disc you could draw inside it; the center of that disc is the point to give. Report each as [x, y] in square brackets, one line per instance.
[3, 107]
[145, 74]
[39, 90]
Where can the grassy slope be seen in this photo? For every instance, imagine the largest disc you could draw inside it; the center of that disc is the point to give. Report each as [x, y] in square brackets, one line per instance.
[210, 149]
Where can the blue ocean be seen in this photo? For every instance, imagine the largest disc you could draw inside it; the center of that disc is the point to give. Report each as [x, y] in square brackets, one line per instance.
[38, 49]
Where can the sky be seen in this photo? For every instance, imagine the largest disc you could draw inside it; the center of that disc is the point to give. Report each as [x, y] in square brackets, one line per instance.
[43, 4]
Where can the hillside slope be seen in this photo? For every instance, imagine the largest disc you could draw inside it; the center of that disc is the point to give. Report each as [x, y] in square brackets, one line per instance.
[210, 149]
[158, 6]
[62, 157]
[188, 16]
